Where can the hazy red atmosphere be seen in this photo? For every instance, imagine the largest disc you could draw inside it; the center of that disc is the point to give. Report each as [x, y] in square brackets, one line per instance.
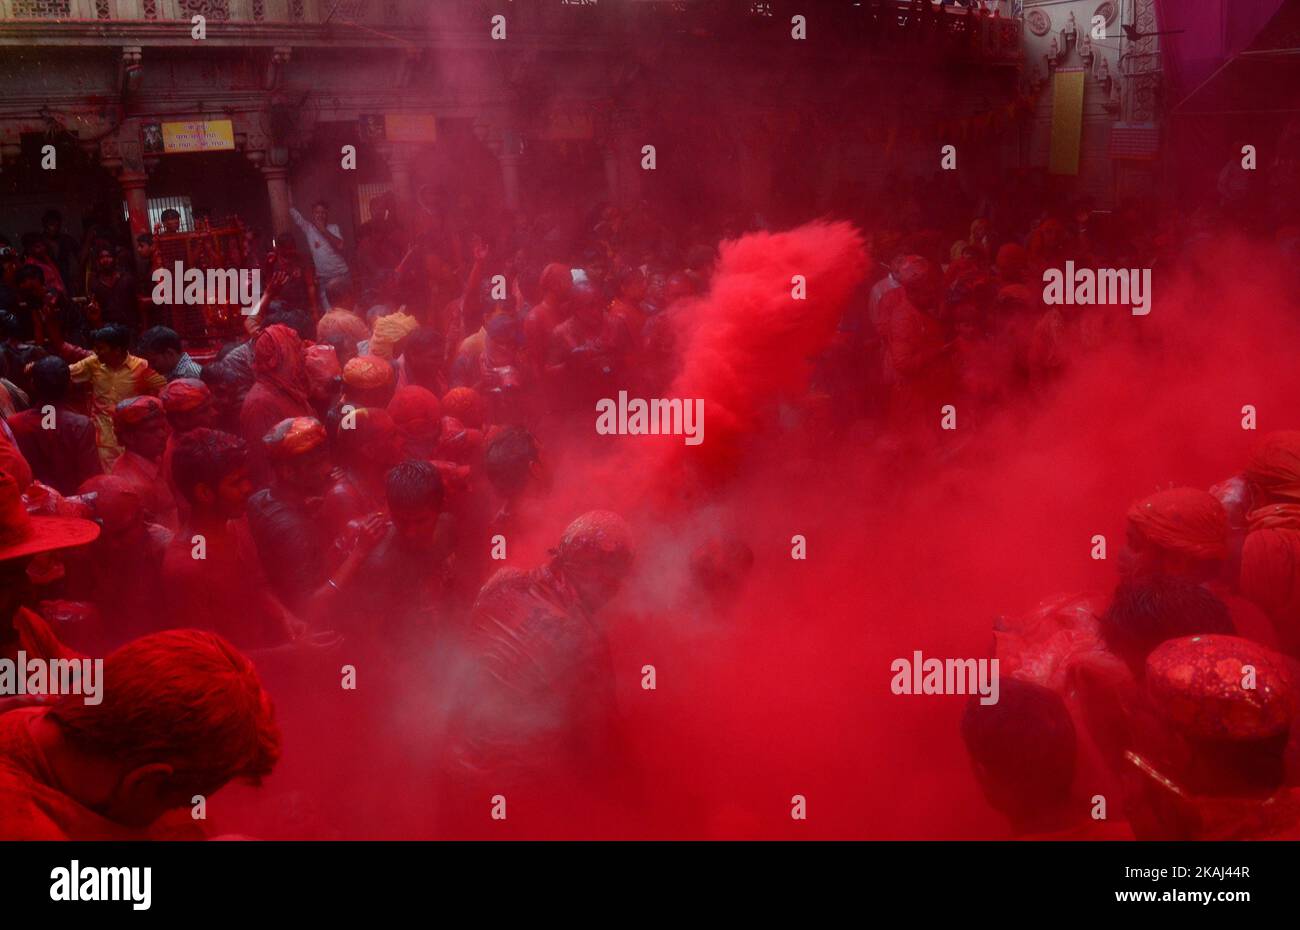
[649, 420]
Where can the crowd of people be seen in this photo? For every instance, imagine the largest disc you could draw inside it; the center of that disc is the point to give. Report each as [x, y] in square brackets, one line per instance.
[340, 470]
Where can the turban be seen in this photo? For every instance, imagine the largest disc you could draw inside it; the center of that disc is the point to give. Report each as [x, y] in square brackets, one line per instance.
[1274, 516]
[341, 325]
[1275, 465]
[1196, 683]
[184, 395]
[1270, 568]
[293, 437]
[390, 330]
[134, 411]
[367, 372]
[1185, 520]
[373, 436]
[414, 404]
[465, 405]
[322, 363]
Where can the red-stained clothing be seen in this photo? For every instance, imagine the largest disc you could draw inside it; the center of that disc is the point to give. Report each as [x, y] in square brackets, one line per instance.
[226, 592]
[32, 808]
[146, 479]
[62, 457]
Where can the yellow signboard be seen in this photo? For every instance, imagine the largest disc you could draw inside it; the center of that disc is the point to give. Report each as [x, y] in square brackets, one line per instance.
[1067, 122]
[208, 135]
[410, 127]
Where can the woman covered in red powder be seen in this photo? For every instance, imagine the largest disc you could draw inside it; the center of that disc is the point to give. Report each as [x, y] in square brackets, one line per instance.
[279, 391]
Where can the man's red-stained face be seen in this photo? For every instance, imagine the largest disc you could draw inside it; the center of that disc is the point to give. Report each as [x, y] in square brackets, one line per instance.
[111, 356]
[310, 472]
[148, 439]
[231, 494]
[105, 261]
[417, 528]
[204, 415]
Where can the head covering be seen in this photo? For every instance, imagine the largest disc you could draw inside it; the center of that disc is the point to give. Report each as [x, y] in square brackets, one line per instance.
[1185, 520]
[390, 330]
[373, 437]
[322, 364]
[115, 501]
[293, 437]
[184, 395]
[414, 404]
[341, 325]
[1270, 568]
[278, 362]
[464, 404]
[134, 411]
[1198, 683]
[1011, 262]
[1274, 466]
[22, 534]
[596, 537]
[367, 372]
[555, 277]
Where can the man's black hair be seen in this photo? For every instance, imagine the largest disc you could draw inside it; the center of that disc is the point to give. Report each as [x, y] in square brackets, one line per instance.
[50, 378]
[508, 459]
[159, 339]
[1025, 743]
[205, 456]
[1147, 610]
[412, 485]
[30, 271]
[114, 334]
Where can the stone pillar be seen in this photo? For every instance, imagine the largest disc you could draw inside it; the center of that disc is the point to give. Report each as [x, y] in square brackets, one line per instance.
[277, 194]
[137, 201]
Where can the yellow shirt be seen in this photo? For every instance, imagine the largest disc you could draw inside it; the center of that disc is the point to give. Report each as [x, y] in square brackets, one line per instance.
[110, 386]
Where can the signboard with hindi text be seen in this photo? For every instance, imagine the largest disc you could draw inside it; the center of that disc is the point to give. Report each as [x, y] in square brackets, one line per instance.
[207, 135]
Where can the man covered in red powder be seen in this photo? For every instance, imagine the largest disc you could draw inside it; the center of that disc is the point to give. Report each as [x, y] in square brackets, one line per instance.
[1217, 772]
[1024, 750]
[212, 576]
[142, 427]
[182, 714]
[917, 345]
[556, 285]
[1270, 554]
[541, 691]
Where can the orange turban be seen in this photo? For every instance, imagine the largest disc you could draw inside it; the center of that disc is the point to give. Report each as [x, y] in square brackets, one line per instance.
[293, 437]
[1275, 465]
[366, 372]
[1195, 682]
[1185, 520]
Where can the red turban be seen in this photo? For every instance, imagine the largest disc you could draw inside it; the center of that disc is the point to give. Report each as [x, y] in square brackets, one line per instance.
[1270, 568]
[414, 404]
[373, 436]
[184, 395]
[136, 410]
[1202, 686]
[1185, 520]
[1275, 465]
[465, 405]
